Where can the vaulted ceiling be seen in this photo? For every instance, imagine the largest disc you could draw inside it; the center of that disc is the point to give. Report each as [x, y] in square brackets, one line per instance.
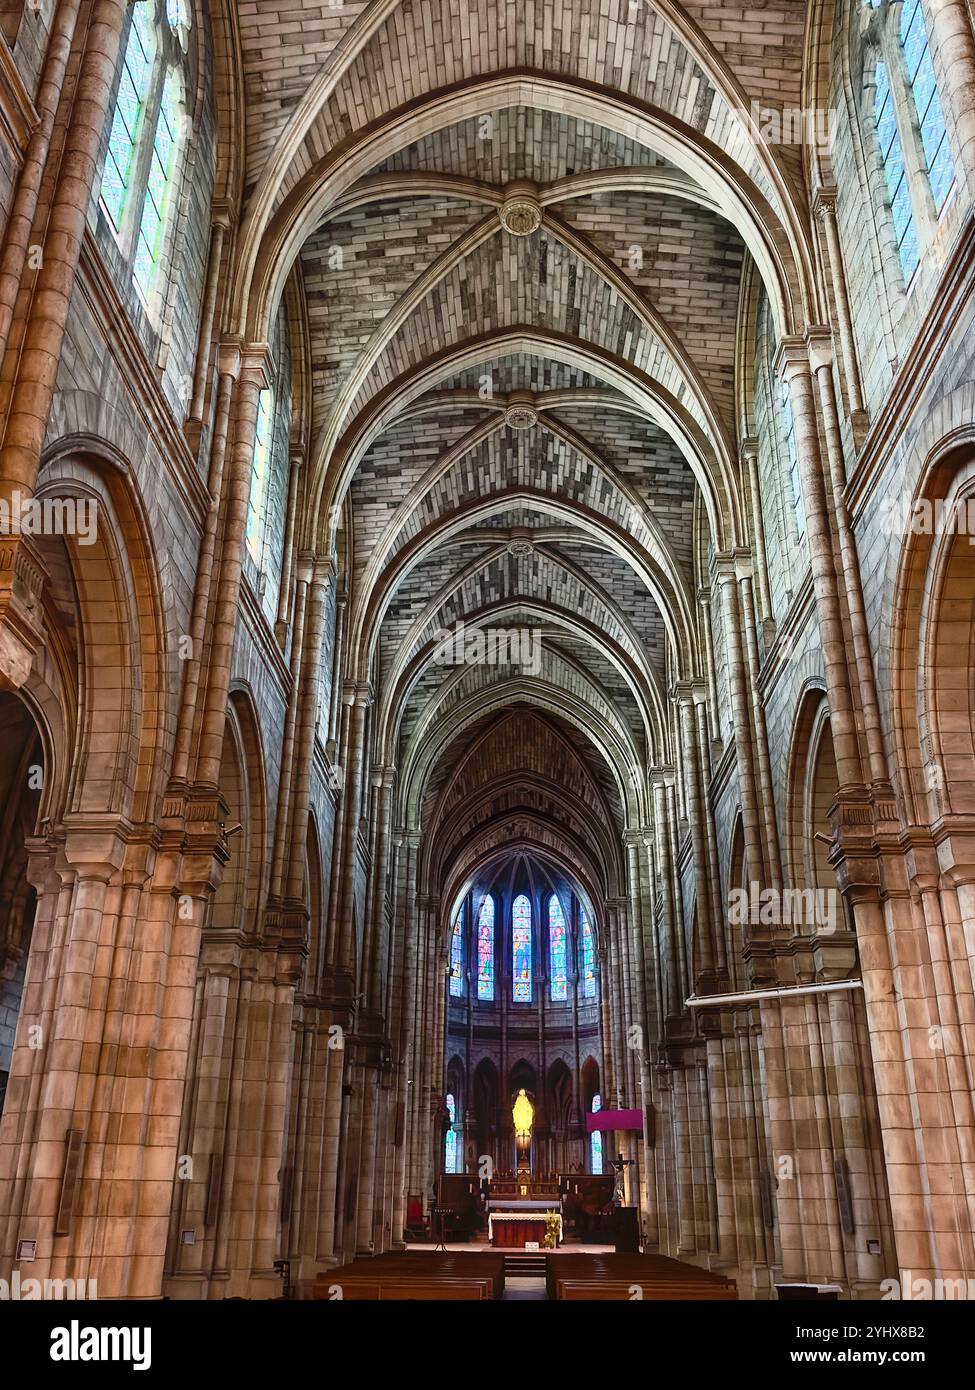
[522, 232]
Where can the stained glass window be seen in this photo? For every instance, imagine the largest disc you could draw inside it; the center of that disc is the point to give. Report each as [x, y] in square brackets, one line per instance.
[895, 173]
[588, 960]
[792, 453]
[485, 949]
[558, 971]
[521, 950]
[596, 1140]
[149, 247]
[133, 91]
[450, 1140]
[924, 88]
[457, 956]
[260, 475]
[176, 14]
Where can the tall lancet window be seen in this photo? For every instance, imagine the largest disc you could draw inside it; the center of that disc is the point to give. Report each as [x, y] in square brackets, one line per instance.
[450, 1139]
[521, 950]
[133, 95]
[588, 960]
[596, 1140]
[895, 173]
[485, 949]
[147, 139]
[557, 961]
[156, 208]
[457, 956]
[927, 102]
[260, 475]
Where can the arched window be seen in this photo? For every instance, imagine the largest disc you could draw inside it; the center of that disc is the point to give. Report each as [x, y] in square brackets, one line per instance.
[146, 136]
[792, 453]
[450, 1139]
[557, 966]
[910, 126]
[588, 970]
[895, 173]
[260, 475]
[135, 88]
[596, 1141]
[927, 102]
[457, 956]
[155, 209]
[485, 949]
[521, 950]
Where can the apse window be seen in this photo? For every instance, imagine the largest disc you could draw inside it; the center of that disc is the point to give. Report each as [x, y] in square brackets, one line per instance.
[450, 1139]
[588, 962]
[521, 950]
[485, 950]
[558, 970]
[457, 956]
[596, 1141]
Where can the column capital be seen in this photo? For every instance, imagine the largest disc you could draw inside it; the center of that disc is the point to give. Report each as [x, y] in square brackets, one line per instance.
[731, 565]
[824, 201]
[257, 365]
[820, 342]
[230, 357]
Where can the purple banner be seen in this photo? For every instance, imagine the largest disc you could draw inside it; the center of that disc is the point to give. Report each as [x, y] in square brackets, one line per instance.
[614, 1119]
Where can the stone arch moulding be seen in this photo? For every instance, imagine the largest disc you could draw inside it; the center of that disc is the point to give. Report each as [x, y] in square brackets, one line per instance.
[125, 668]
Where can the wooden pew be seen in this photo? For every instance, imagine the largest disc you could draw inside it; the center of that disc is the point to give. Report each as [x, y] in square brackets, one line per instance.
[607, 1275]
[415, 1274]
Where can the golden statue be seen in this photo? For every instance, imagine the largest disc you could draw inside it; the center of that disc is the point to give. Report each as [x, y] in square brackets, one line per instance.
[523, 1113]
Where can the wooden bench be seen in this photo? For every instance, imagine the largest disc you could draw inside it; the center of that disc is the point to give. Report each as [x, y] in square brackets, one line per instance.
[617, 1276]
[415, 1274]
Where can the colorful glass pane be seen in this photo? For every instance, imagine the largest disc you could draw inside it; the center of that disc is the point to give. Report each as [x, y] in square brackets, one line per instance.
[924, 88]
[457, 956]
[485, 949]
[596, 1140]
[450, 1140]
[558, 970]
[521, 950]
[895, 174]
[588, 960]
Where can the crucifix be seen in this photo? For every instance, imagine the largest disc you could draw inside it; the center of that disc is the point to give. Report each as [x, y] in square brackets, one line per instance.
[619, 1164]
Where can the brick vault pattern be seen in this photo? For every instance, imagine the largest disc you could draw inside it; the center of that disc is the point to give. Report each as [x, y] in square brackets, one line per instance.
[518, 458]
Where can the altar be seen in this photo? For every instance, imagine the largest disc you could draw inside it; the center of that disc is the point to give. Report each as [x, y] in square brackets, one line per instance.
[509, 1230]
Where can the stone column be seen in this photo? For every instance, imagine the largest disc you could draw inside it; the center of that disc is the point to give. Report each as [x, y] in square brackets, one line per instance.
[255, 377]
[793, 364]
[229, 371]
[825, 207]
[727, 575]
[20, 221]
[221, 220]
